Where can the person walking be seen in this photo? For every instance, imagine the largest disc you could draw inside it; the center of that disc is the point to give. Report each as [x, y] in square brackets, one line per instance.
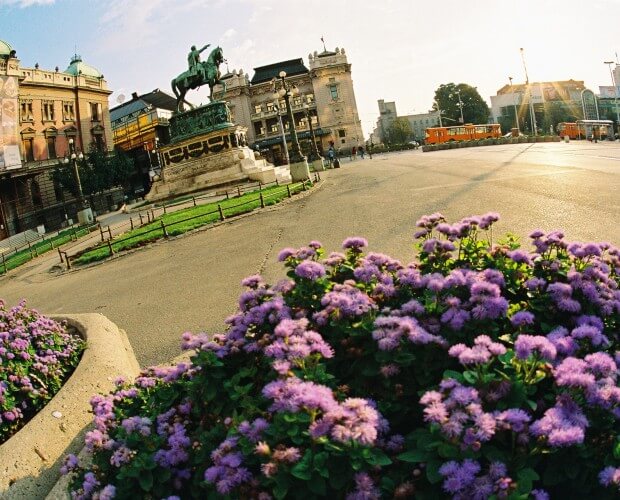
[331, 155]
[360, 150]
[353, 152]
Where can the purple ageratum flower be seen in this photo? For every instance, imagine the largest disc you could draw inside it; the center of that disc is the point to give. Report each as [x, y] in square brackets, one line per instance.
[108, 492]
[520, 257]
[522, 318]
[540, 494]
[355, 244]
[563, 342]
[344, 301]
[293, 341]
[293, 394]
[389, 330]
[310, 270]
[610, 476]
[355, 420]
[335, 259]
[562, 425]
[253, 281]
[526, 345]
[365, 488]
[253, 431]
[488, 219]
[590, 333]
[481, 352]
[227, 472]
[514, 419]
[286, 253]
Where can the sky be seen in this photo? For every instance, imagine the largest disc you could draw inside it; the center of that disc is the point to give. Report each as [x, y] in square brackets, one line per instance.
[400, 50]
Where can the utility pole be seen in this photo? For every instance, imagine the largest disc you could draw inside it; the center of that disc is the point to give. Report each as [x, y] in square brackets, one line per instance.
[514, 103]
[529, 91]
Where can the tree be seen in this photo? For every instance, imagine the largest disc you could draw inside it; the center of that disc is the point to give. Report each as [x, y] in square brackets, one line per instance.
[99, 171]
[475, 109]
[399, 131]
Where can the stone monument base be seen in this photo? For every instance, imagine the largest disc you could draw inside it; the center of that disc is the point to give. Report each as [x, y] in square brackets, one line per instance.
[300, 171]
[214, 156]
[317, 165]
[85, 216]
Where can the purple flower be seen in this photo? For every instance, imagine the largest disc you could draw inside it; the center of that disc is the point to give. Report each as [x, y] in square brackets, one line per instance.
[610, 476]
[522, 318]
[354, 243]
[286, 253]
[526, 345]
[365, 489]
[562, 425]
[310, 270]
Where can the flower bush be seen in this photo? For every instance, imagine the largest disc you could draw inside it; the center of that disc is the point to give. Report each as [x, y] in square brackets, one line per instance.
[37, 354]
[479, 371]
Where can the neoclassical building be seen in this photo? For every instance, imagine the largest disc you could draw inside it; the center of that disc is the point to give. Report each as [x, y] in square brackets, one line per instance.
[42, 110]
[325, 96]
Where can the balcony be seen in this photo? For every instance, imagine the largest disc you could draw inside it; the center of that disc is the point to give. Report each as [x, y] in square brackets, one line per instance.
[272, 112]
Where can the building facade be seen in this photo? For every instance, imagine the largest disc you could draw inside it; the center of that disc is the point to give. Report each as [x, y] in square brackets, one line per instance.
[552, 102]
[42, 110]
[139, 127]
[324, 97]
[387, 114]
[421, 121]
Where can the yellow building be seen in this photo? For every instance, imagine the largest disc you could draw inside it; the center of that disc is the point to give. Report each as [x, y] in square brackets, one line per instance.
[42, 110]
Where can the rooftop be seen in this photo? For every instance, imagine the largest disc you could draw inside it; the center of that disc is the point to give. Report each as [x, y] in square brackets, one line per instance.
[267, 73]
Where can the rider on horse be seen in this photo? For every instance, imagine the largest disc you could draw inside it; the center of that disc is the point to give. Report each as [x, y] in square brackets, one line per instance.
[193, 59]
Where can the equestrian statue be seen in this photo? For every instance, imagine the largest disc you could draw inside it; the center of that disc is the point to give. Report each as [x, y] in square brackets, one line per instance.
[198, 74]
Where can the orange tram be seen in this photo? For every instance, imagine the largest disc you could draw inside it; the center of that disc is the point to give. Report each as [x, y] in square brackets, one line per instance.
[467, 132]
[586, 129]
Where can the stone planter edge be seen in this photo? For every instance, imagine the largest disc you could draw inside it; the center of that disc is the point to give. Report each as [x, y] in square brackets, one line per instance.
[31, 459]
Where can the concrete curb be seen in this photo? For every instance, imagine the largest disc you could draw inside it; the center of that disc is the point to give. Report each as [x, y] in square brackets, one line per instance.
[31, 459]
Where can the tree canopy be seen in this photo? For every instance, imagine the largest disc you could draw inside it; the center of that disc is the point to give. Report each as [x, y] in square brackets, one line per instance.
[475, 109]
[399, 131]
[99, 171]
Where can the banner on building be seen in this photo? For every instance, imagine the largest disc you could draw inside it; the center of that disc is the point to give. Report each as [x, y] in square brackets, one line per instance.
[9, 131]
[609, 91]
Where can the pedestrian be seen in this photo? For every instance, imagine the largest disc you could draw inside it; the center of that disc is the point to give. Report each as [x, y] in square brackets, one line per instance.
[331, 155]
[353, 152]
[360, 150]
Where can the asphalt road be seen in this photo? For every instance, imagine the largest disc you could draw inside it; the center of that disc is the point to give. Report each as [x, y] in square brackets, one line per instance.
[192, 283]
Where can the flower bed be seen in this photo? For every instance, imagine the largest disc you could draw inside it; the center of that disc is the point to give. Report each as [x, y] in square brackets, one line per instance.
[479, 371]
[37, 355]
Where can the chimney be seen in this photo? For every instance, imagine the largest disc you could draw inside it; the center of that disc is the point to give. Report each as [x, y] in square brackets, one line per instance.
[134, 95]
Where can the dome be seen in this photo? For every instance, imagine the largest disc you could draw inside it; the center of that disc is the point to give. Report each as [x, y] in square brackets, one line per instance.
[78, 67]
[5, 49]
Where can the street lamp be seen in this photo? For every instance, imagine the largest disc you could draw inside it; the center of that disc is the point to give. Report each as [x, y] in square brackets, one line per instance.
[84, 213]
[298, 163]
[278, 112]
[514, 103]
[458, 92]
[529, 92]
[439, 113]
[613, 81]
[314, 152]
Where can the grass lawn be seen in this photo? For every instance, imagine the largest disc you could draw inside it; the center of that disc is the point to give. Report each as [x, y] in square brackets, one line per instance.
[42, 246]
[187, 219]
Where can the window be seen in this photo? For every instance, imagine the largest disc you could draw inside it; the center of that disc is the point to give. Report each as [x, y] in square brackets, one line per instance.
[68, 111]
[28, 149]
[35, 193]
[58, 191]
[99, 143]
[258, 108]
[273, 128]
[258, 128]
[333, 91]
[95, 111]
[51, 147]
[25, 108]
[48, 111]
[341, 133]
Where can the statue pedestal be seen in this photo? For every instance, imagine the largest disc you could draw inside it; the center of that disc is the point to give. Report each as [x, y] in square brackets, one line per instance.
[85, 216]
[300, 171]
[206, 151]
[317, 165]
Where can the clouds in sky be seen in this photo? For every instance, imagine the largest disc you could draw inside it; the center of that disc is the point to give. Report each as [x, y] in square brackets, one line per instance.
[26, 3]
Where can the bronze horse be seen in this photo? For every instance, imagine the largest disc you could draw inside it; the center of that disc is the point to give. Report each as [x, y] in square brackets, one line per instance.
[206, 72]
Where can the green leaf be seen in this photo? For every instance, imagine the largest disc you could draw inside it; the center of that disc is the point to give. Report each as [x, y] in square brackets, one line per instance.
[301, 469]
[432, 471]
[526, 478]
[470, 376]
[317, 485]
[617, 450]
[377, 457]
[446, 450]
[146, 480]
[414, 456]
[280, 490]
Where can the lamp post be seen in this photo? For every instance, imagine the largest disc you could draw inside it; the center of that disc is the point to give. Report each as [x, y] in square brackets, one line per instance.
[84, 212]
[298, 163]
[458, 92]
[277, 108]
[439, 114]
[529, 92]
[514, 104]
[613, 82]
[314, 156]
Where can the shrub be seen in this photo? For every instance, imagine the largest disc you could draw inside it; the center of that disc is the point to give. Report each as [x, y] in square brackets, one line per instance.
[480, 370]
[37, 355]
